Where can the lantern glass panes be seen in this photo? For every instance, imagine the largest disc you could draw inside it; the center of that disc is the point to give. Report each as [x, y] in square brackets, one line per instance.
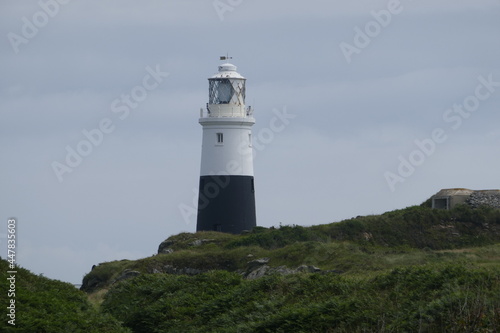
[220, 91]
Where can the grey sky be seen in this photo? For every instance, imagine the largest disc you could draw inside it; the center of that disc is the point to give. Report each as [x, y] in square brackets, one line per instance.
[353, 120]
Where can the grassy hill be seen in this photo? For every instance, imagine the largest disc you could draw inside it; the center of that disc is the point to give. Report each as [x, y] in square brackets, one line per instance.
[361, 245]
[410, 270]
[431, 298]
[48, 306]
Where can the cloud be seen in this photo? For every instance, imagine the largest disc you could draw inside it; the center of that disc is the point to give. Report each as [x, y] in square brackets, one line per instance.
[352, 123]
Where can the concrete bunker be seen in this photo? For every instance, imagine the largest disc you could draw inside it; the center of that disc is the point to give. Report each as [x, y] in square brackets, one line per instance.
[449, 198]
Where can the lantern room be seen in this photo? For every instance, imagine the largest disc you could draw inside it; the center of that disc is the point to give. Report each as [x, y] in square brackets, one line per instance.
[226, 93]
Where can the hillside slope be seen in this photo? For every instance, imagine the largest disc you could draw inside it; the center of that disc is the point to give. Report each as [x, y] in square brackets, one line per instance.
[50, 306]
[439, 298]
[355, 246]
[410, 270]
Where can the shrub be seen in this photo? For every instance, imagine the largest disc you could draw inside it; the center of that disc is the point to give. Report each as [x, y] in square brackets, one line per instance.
[49, 306]
[429, 298]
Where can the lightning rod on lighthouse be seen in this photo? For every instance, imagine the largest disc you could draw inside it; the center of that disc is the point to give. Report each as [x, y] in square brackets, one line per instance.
[226, 201]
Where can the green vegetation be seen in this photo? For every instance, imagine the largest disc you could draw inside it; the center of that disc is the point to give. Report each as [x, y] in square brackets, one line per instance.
[356, 246]
[410, 270]
[429, 298]
[416, 227]
[48, 306]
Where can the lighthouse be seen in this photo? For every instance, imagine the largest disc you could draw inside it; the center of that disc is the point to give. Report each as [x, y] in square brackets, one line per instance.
[226, 201]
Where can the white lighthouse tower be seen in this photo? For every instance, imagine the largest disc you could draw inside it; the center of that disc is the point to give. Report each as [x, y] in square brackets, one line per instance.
[226, 200]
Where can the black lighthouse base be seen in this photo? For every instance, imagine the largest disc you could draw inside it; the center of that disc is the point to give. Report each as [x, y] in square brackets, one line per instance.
[226, 204]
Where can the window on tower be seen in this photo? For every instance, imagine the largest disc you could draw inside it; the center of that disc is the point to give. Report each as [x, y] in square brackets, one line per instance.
[220, 138]
[221, 91]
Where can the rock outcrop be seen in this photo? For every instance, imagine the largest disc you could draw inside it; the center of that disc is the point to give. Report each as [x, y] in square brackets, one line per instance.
[484, 198]
[259, 268]
[165, 247]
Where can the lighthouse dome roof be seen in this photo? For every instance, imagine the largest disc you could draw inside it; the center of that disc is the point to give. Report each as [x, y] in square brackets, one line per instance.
[227, 70]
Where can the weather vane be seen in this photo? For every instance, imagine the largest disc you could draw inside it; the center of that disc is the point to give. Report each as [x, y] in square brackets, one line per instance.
[226, 57]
